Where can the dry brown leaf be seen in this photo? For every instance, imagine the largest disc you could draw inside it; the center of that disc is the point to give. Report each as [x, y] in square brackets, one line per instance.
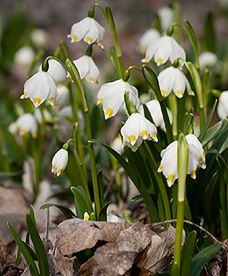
[75, 235]
[13, 209]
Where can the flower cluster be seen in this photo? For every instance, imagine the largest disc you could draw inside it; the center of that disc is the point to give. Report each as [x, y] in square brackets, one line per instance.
[169, 159]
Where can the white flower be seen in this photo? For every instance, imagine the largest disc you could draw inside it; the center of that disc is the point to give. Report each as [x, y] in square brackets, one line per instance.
[222, 108]
[166, 17]
[111, 95]
[164, 49]
[173, 79]
[147, 38]
[117, 144]
[65, 112]
[40, 87]
[56, 70]
[39, 37]
[59, 162]
[207, 59]
[136, 129]
[63, 95]
[169, 159]
[26, 123]
[87, 69]
[87, 29]
[24, 56]
[156, 113]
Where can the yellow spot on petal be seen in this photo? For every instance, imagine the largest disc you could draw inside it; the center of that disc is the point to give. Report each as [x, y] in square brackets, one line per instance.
[108, 112]
[52, 168]
[132, 139]
[59, 171]
[36, 101]
[179, 93]
[160, 168]
[100, 101]
[159, 61]
[74, 38]
[23, 131]
[154, 136]
[193, 174]
[191, 92]
[146, 59]
[170, 179]
[24, 95]
[51, 101]
[143, 134]
[163, 92]
[89, 39]
[91, 80]
[202, 157]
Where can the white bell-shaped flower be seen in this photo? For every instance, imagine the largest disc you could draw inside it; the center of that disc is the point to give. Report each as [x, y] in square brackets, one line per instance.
[207, 59]
[222, 108]
[166, 16]
[39, 37]
[56, 70]
[59, 162]
[169, 163]
[154, 108]
[87, 29]
[40, 87]
[164, 49]
[87, 69]
[26, 123]
[136, 129]
[169, 159]
[24, 56]
[147, 38]
[117, 144]
[173, 79]
[63, 95]
[111, 95]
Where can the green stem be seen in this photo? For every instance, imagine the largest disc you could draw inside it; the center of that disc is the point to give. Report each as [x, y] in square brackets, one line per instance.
[174, 110]
[159, 181]
[77, 80]
[182, 162]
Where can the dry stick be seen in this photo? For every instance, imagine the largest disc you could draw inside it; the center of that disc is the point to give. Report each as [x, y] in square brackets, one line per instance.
[224, 245]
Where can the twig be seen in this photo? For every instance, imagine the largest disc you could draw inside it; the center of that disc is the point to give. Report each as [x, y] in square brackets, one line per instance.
[223, 244]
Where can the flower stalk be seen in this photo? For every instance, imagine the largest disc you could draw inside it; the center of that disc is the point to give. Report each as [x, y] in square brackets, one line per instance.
[182, 163]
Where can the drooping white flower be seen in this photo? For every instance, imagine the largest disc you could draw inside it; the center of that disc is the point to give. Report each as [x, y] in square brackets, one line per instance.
[87, 29]
[59, 161]
[63, 95]
[40, 87]
[117, 144]
[168, 163]
[156, 113]
[147, 38]
[111, 95]
[87, 69]
[164, 49]
[136, 129]
[173, 79]
[26, 123]
[24, 56]
[56, 70]
[166, 16]
[39, 37]
[207, 59]
[222, 108]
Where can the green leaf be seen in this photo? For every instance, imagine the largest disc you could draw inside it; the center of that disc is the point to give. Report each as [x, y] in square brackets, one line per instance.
[193, 38]
[187, 251]
[81, 202]
[66, 211]
[103, 212]
[205, 128]
[101, 188]
[203, 257]
[24, 250]
[152, 80]
[38, 244]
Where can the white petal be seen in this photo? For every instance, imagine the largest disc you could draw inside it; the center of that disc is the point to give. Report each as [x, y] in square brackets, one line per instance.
[78, 30]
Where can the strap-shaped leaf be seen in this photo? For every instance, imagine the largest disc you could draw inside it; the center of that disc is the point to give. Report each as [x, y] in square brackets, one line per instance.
[66, 211]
